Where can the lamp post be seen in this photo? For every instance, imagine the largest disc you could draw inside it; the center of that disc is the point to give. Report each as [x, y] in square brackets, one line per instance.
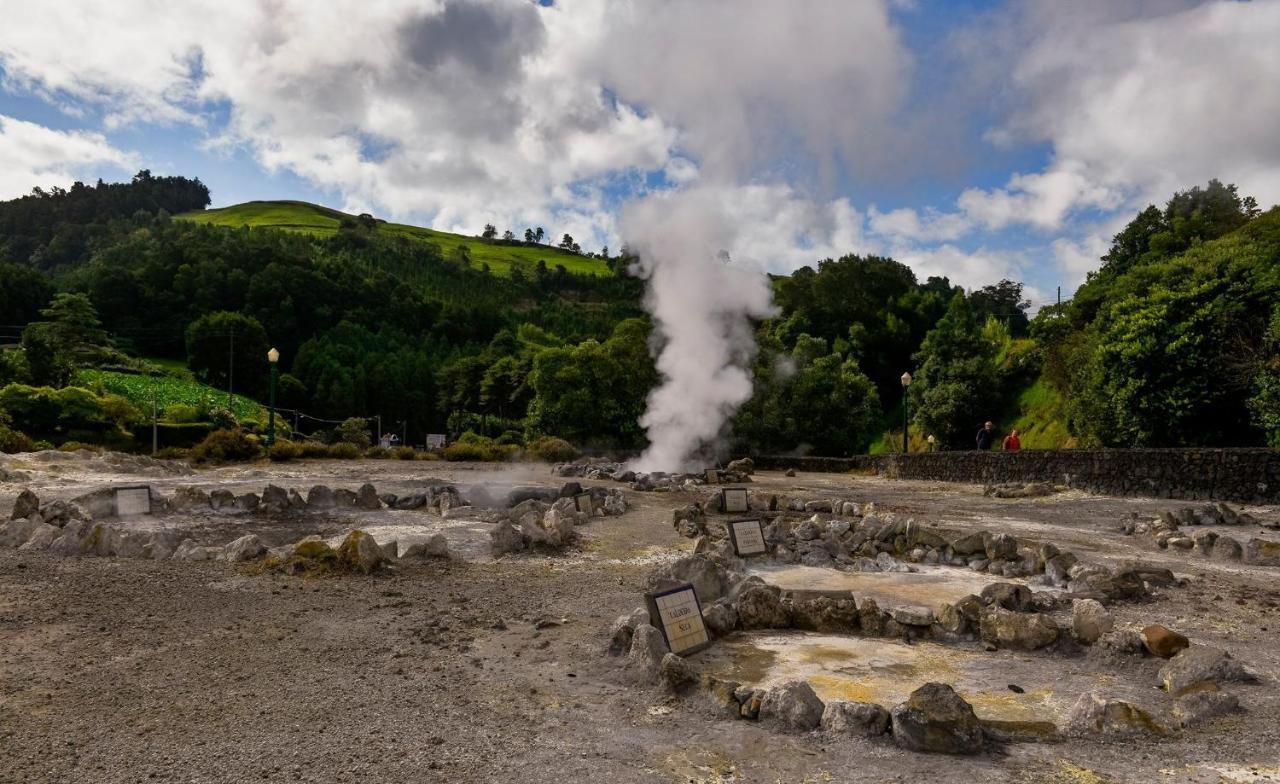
[932, 441]
[906, 382]
[273, 357]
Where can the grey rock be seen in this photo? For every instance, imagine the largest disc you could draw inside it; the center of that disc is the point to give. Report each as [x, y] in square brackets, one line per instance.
[1008, 596]
[26, 504]
[721, 617]
[1202, 663]
[344, 498]
[1227, 549]
[367, 498]
[275, 500]
[16, 532]
[936, 720]
[706, 577]
[677, 673]
[824, 614]
[760, 607]
[1203, 702]
[792, 706]
[912, 616]
[40, 538]
[436, 546]
[1094, 714]
[999, 546]
[1018, 631]
[246, 548]
[1262, 552]
[413, 501]
[859, 719]
[647, 649]
[1090, 620]
[187, 498]
[320, 497]
[621, 632]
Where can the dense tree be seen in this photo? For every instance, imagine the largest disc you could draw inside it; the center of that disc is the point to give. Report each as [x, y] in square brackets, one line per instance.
[228, 350]
[957, 385]
[1002, 301]
[23, 291]
[490, 231]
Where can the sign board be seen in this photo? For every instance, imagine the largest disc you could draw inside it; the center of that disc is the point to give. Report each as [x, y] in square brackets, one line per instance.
[132, 501]
[734, 499]
[713, 476]
[748, 537]
[677, 613]
[436, 440]
[584, 503]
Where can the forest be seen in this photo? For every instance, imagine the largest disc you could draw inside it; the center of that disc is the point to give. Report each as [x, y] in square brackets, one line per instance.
[1171, 342]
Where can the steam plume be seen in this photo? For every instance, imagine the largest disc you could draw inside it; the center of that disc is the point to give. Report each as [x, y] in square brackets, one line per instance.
[702, 306]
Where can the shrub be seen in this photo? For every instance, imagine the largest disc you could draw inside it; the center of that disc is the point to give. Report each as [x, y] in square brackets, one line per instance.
[47, 412]
[465, 452]
[182, 414]
[222, 446]
[222, 418]
[13, 440]
[511, 438]
[344, 451]
[314, 449]
[553, 450]
[354, 431]
[76, 446]
[430, 456]
[377, 453]
[404, 453]
[282, 451]
[173, 453]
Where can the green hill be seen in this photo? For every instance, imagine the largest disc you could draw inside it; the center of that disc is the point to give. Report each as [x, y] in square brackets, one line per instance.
[314, 219]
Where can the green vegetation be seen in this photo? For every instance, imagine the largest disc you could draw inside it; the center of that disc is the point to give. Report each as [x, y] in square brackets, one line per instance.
[175, 397]
[500, 255]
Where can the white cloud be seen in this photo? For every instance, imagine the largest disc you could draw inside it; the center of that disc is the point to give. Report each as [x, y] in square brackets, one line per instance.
[31, 153]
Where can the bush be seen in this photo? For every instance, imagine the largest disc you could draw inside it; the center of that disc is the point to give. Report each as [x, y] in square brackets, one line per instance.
[354, 431]
[182, 414]
[222, 418]
[471, 448]
[173, 453]
[45, 412]
[377, 453]
[11, 440]
[344, 451]
[464, 452]
[429, 456]
[314, 449]
[553, 450]
[76, 446]
[223, 446]
[282, 451]
[404, 453]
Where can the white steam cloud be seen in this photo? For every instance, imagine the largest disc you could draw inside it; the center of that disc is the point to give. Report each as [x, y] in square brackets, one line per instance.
[702, 305]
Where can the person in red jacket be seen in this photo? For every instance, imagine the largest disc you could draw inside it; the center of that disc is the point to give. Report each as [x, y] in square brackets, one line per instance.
[1012, 442]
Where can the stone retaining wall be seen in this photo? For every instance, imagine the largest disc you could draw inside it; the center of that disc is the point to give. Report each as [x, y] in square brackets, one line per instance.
[1243, 475]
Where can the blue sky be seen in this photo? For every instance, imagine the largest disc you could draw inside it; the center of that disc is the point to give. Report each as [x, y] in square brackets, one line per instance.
[975, 139]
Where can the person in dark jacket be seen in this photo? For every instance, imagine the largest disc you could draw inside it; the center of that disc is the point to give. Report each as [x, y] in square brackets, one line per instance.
[986, 436]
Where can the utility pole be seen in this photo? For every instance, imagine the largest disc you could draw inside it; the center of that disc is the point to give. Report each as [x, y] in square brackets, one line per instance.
[231, 371]
[155, 418]
[379, 418]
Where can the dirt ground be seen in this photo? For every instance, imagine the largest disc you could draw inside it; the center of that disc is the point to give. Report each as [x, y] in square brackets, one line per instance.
[476, 670]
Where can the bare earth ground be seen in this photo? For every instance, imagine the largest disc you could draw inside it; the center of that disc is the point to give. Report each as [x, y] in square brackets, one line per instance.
[116, 670]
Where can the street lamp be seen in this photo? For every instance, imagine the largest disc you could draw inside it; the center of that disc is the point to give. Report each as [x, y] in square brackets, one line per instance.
[906, 382]
[273, 357]
[932, 441]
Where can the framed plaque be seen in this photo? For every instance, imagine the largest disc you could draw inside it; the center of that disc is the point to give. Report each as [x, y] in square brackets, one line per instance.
[677, 613]
[748, 537]
[712, 476]
[131, 501]
[734, 500]
[436, 440]
[584, 503]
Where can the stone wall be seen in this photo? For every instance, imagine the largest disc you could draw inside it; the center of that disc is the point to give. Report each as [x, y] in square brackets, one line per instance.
[1243, 475]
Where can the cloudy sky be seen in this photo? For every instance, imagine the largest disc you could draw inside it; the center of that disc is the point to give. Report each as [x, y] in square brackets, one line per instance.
[970, 138]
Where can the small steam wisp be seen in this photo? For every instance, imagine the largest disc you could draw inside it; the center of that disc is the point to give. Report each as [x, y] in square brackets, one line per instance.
[702, 306]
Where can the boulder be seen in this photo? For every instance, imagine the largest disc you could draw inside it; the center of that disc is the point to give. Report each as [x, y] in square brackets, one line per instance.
[344, 498]
[825, 614]
[246, 548]
[26, 504]
[413, 501]
[999, 546]
[367, 498]
[870, 618]
[615, 503]
[1227, 549]
[1008, 596]
[1261, 552]
[275, 499]
[436, 546]
[912, 616]
[190, 551]
[970, 544]
[790, 472]
[720, 695]
[1094, 714]
[744, 466]
[721, 617]
[707, 579]
[936, 720]
[222, 499]
[1090, 620]
[296, 501]
[1202, 663]
[41, 538]
[1126, 641]
[647, 649]
[621, 632]
[1019, 631]
[187, 498]
[390, 550]
[760, 607]
[1163, 642]
[360, 553]
[16, 532]
[792, 706]
[320, 497]
[1202, 702]
[677, 673]
[859, 719]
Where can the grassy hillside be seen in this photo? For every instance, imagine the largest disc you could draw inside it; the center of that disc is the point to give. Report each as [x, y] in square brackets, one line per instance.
[321, 221]
[167, 390]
